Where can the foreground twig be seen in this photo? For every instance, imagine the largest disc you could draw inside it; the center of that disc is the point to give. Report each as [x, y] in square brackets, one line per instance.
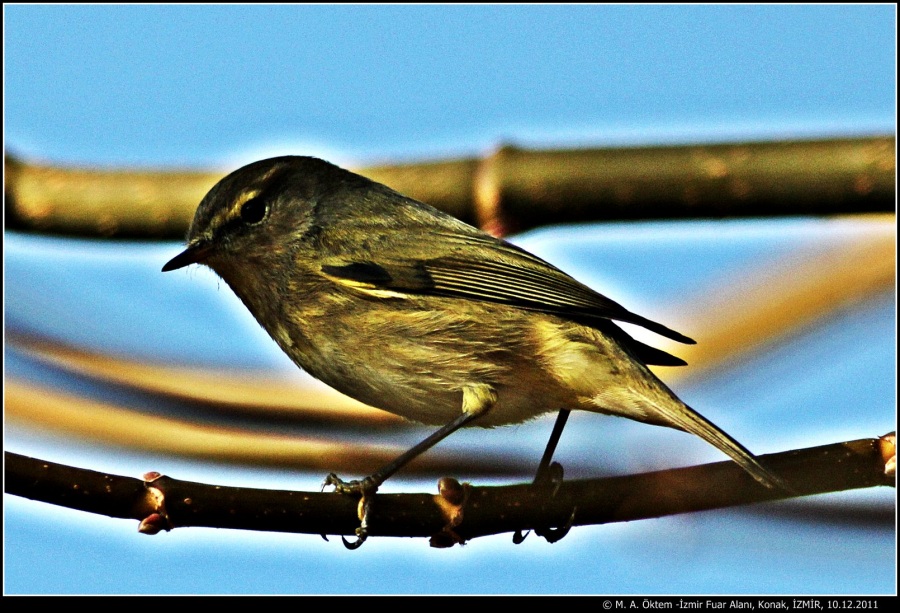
[509, 190]
[459, 512]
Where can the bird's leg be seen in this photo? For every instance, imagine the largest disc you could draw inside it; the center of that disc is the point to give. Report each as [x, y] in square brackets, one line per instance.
[547, 471]
[477, 400]
[550, 473]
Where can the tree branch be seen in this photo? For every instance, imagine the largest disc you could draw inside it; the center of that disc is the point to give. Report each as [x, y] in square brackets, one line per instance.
[459, 512]
[509, 190]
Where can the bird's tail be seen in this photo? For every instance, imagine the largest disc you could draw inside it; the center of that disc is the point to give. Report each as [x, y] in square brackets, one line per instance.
[694, 423]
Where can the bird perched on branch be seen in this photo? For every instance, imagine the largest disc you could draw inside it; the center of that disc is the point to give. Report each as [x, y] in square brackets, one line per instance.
[410, 310]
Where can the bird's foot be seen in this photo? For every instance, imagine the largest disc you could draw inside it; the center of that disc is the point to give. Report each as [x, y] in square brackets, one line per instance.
[366, 489]
[363, 487]
[551, 478]
[553, 535]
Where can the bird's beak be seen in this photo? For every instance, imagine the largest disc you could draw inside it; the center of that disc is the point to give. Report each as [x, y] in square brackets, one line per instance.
[194, 254]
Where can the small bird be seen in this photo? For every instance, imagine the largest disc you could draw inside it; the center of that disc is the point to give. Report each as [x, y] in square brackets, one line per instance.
[405, 308]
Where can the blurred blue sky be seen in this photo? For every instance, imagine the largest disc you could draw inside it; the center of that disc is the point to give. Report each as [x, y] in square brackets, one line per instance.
[198, 85]
[223, 85]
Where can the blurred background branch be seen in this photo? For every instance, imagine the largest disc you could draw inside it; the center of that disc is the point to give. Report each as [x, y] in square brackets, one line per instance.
[507, 191]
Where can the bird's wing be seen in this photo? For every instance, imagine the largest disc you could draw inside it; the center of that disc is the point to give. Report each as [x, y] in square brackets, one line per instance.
[475, 266]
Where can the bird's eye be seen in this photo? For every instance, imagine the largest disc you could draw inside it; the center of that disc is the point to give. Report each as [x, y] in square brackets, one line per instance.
[253, 211]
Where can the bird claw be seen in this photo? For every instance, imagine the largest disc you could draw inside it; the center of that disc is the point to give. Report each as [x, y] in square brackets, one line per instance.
[361, 537]
[549, 476]
[554, 535]
[366, 488]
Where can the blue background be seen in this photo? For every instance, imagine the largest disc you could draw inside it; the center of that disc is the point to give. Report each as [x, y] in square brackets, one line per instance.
[221, 86]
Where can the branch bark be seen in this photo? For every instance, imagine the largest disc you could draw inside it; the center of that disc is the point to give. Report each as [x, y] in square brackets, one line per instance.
[460, 511]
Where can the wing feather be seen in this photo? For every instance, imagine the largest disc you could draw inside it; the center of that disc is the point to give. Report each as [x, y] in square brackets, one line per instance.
[469, 264]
